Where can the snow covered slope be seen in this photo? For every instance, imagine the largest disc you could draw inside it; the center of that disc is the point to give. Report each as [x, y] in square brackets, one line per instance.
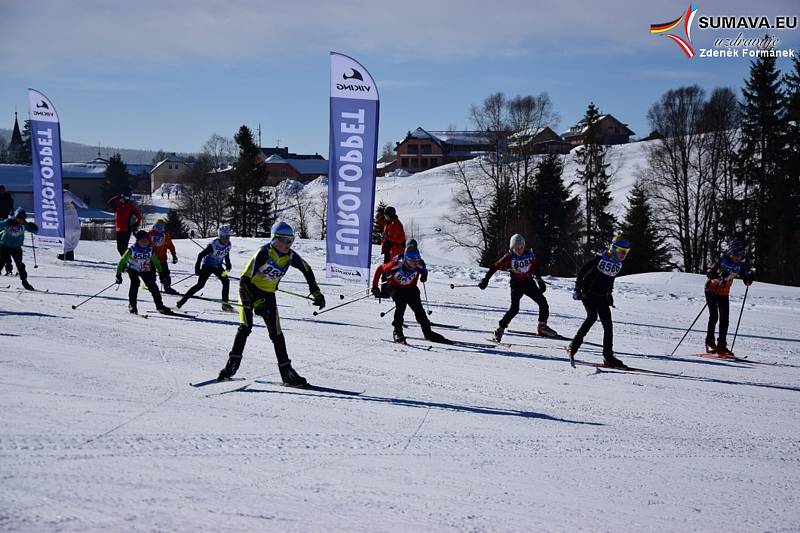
[101, 431]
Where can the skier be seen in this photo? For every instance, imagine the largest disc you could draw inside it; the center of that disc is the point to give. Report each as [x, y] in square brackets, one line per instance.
[209, 261]
[13, 235]
[138, 261]
[257, 288]
[721, 274]
[393, 238]
[126, 217]
[6, 208]
[593, 287]
[523, 266]
[401, 274]
[72, 224]
[161, 241]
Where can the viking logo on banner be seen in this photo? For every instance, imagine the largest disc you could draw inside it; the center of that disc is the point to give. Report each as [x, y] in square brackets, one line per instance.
[351, 172]
[48, 198]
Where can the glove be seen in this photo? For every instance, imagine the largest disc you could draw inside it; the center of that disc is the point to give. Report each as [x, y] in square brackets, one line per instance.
[424, 276]
[576, 293]
[319, 299]
[748, 282]
[542, 285]
[224, 274]
[610, 300]
[174, 259]
[376, 292]
[483, 284]
[118, 278]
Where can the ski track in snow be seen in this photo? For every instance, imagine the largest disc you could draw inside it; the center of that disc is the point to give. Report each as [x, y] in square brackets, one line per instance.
[101, 430]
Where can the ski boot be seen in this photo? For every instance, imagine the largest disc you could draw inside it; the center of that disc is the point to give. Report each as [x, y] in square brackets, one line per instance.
[570, 354]
[723, 351]
[27, 286]
[437, 337]
[170, 290]
[230, 367]
[398, 335]
[711, 346]
[498, 333]
[181, 302]
[612, 362]
[290, 377]
[546, 331]
[227, 307]
[164, 310]
[132, 309]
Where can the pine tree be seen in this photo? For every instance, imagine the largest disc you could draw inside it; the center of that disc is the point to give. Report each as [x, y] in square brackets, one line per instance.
[549, 214]
[648, 252]
[250, 202]
[593, 175]
[118, 180]
[498, 223]
[377, 231]
[766, 190]
[793, 166]
[175, 225]
[26, 154]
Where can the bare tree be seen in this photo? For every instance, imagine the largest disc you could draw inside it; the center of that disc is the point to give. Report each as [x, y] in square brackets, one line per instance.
[321, 213]
[296, 205]
[221, 151]
[468, 221]
[204, 197]
[387, 151]
[679, 182]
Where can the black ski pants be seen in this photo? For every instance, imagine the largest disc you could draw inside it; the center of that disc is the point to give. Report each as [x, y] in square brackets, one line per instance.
[149, 279]
[206, 273]
[718, 309]
[596, 306]
[409, 297]
[531, 290]
[265, 306]
[123, 240]
[7, 254]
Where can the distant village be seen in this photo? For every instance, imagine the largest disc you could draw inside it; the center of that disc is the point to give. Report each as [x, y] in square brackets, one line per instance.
[420, 150]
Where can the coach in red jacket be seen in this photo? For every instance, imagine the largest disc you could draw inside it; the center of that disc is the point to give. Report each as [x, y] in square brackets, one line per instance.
[126, 217]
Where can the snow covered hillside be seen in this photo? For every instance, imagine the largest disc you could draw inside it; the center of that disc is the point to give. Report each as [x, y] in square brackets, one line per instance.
[102, 432]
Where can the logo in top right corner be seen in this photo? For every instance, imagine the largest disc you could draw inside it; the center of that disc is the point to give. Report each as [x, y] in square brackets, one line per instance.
[737, 44]
[685, 44]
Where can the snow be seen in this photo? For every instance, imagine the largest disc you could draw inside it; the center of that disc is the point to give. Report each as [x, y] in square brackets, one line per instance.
[101, 432]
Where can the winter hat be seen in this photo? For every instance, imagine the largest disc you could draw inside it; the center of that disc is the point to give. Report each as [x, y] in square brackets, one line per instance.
[160, 224]
[619, 246]
[390, 212]
[282, 230]
[736, 247]
[412, 252]
[141, 234]
[224, 231]
[19, 211]
[516, 240]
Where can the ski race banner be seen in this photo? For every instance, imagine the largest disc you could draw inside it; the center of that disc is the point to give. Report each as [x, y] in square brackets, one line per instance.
[351, 172]
[48, 197]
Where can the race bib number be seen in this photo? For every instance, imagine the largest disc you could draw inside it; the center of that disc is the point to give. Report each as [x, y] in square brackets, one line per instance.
[609, 268]
[521, 265]
[271, 272]
[404, 277]
[141, 261]
[157, 240]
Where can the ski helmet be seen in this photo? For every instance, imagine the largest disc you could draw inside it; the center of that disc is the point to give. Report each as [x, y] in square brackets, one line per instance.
[619, 247]
[141, 234]
[412, 252]
[225, 231]
[282, 230]
[20, 213]
[516, 240]
[390, 212]
[736, 247]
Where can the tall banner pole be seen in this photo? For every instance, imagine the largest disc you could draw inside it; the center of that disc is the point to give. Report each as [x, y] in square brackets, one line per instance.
[48, 195]
[354, 110]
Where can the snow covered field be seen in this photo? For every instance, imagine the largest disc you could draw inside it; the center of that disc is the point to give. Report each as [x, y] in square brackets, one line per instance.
[101, 431]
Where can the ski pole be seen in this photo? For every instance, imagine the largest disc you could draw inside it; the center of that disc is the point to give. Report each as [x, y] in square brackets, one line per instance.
[33, 242]
[688, 330]
[304, 296]
[93, 295]
[359, 291]
[384, 313]
[740, 316]
[340, 305]
[425, 290]
[182, 279]
[197, 243]
[452, 286]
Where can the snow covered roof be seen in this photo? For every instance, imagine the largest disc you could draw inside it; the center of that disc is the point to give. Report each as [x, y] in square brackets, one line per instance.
[171, 159]
[16, 178]
[450, 137]
[581, 127]
[310, 166]
[275, 158]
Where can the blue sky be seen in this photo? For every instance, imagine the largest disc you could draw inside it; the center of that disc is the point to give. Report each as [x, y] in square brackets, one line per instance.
[167, 74]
